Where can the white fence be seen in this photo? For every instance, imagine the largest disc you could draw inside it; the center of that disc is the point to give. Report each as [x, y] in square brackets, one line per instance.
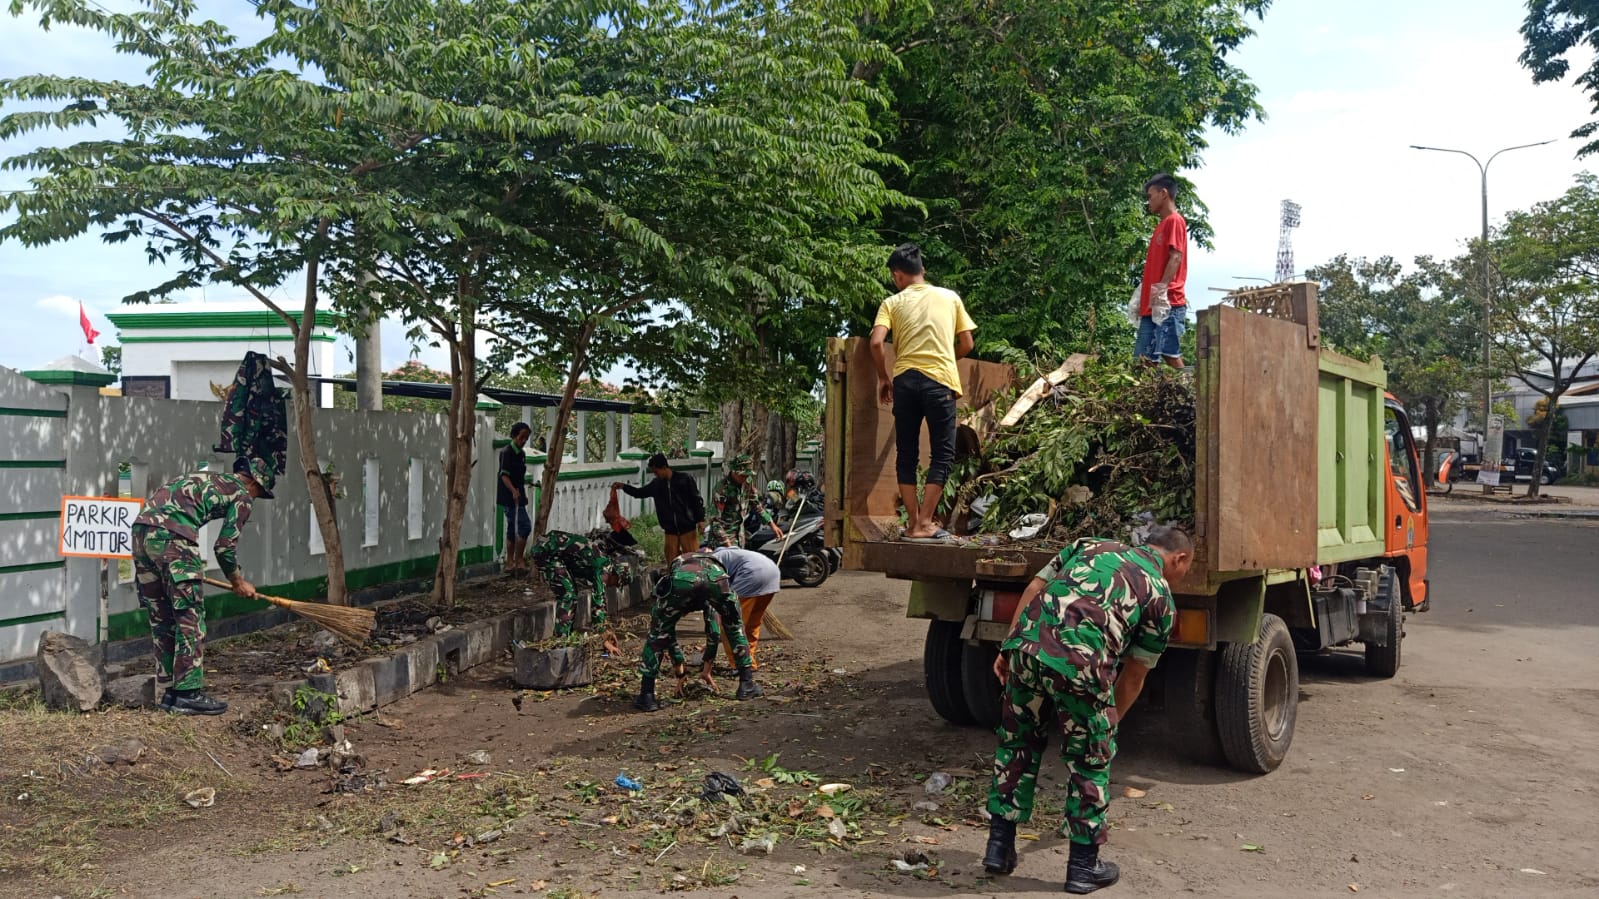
[66, 439]
[61, 437]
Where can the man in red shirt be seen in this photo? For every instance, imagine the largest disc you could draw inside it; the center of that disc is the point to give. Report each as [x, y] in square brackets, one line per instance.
[1162, 304]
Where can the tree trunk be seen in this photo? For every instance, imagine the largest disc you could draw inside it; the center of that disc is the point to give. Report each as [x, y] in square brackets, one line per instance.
[733, 428]
[1429, 411]
[316, 483]
[563, 413]
[779, 439]
[458, 454]
[1545, 428]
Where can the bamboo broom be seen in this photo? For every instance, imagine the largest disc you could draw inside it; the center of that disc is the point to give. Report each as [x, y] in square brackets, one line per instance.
[353, 624]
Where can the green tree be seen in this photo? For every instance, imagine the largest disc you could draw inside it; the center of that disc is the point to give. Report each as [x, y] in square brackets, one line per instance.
[111, 358]
[229, 169]
[1420, 323]
[1554, 31]
[1546, 315]
[1029, 128]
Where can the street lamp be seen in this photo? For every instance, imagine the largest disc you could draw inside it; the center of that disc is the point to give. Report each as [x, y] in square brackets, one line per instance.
[1487, 281]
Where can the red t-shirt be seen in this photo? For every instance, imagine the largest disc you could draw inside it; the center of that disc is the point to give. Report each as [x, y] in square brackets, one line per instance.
[1170, 234]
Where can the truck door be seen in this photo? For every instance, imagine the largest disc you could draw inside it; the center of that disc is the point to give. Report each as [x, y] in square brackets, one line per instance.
[1406, 540]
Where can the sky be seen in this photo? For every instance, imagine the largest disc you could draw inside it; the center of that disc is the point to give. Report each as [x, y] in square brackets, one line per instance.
[1347, 87]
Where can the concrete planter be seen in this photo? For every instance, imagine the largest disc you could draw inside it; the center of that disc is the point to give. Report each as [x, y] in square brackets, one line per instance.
[552, 669]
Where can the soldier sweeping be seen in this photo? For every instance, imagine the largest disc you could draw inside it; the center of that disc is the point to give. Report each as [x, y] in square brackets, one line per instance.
[734, 499]
[569, 562]
[694, 582]
[168, 568]
[1088, 629]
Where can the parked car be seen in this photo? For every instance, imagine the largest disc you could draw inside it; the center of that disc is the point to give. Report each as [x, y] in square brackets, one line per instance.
[1527, 460]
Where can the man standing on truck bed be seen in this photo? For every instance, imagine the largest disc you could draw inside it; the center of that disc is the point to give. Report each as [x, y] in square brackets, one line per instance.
[931, 330]
[1162, 303]
[1087, 630]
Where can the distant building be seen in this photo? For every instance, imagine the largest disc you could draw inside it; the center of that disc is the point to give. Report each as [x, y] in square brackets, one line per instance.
[188, 351]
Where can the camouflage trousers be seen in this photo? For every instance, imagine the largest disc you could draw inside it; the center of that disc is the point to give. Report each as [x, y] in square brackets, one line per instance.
[722, 533]
[1039, 699]
[167, 571]
[568, 594]
[666, 613]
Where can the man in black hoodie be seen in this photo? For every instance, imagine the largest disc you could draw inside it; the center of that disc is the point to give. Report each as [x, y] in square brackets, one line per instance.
[678, 505]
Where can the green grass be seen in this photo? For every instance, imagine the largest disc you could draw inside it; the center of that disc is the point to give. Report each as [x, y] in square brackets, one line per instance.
[647, 531]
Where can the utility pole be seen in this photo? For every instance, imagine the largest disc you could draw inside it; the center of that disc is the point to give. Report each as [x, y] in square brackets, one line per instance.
[1487, 280]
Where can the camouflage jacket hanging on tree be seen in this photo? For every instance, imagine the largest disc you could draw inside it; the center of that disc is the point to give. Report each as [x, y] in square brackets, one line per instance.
[184, 506]
[255, 421]
[1104, 600]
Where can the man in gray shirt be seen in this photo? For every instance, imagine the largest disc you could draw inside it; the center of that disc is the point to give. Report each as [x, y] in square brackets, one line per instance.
[756, 580]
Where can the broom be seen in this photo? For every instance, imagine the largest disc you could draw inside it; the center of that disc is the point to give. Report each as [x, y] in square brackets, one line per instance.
[354, 625]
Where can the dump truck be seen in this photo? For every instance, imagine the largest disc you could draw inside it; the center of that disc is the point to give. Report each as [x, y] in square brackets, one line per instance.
[1310, 528]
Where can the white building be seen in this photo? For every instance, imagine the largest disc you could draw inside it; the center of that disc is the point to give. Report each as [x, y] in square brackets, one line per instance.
[181, 350]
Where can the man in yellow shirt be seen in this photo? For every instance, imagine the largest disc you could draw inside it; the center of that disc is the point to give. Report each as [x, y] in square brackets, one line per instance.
[931, 330]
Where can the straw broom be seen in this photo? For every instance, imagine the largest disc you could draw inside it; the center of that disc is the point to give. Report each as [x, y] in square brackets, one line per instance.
[353, 624]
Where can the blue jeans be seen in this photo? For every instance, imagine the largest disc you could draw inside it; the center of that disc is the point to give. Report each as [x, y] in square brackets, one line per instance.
[1164, 339]
[518, 526]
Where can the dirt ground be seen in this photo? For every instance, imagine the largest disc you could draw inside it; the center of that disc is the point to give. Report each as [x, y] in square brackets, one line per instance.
[1472, 773]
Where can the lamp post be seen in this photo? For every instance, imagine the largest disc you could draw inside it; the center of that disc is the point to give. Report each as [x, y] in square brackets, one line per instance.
[1487, 281]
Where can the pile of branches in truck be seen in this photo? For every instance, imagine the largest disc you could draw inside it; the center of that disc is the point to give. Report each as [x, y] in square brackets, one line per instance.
[1093, 448]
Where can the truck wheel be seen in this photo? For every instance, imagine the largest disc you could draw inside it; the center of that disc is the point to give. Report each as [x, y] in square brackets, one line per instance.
[1257, 698]
[941, 665]
[1190, 695]
[984, 693]
[1383, 661]
[815, 570]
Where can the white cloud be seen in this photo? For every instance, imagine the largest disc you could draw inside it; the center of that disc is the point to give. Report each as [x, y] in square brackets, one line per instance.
[60, 304]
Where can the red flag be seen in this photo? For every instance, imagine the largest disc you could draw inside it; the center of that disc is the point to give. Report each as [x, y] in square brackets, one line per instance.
[89, 333]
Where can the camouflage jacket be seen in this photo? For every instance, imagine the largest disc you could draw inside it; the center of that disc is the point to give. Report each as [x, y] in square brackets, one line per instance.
[733, 501]
[699, 574]
[1103, 600]
[182, 507]
[583, 560]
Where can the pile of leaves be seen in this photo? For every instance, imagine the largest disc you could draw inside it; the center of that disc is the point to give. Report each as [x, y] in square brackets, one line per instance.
[1109, 449]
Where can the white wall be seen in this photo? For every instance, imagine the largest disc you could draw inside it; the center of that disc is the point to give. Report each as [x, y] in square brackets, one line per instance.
[162, 439]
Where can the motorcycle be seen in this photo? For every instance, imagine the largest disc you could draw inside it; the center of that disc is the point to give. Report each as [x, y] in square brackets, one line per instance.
[799, 553]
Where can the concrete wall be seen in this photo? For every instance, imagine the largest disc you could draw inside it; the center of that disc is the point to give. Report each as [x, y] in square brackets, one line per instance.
[33, 441]
[393, 538]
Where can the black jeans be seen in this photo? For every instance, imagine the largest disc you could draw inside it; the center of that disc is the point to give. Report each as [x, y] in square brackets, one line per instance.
[917, 398]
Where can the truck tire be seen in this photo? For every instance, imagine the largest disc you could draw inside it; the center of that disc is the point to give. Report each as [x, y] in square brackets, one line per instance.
[984, 693]
[941, 665]
[1383, 661]
[1257, 698]
[1190, 696]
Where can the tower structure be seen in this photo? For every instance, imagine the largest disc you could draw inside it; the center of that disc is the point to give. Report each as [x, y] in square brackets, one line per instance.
[1285, 241]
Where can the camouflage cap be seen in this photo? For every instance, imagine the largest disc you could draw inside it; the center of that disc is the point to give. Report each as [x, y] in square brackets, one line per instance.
[260, 470]
[742, 464]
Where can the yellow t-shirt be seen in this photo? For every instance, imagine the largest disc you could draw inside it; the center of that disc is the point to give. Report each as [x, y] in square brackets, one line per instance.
[924, 321]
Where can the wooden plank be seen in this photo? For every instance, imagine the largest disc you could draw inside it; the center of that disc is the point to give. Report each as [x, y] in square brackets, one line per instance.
[1263, 430]
[872, 488]
[1042, 387]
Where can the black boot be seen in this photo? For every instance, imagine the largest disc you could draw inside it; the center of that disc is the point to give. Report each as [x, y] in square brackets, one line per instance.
[1086, 873]
[191, 702]
[1001, 855]
[646, 701]
[747, 687]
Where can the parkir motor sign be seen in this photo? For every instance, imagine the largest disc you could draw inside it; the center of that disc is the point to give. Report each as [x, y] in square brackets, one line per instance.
[98, 527]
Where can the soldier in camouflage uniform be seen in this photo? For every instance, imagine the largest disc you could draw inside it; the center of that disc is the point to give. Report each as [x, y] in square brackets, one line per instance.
[571, 563]
[168, 569]
[693, 583]
[1086, 632]
[734, 499]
